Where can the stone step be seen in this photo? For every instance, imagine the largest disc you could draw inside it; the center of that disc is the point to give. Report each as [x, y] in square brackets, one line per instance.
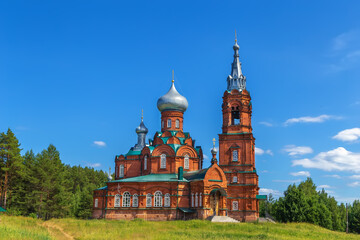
[222, 219]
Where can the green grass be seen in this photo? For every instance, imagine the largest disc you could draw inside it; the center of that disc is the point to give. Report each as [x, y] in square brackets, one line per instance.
[26, 228]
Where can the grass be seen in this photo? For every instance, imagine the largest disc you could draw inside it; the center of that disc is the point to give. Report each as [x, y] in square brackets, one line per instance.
[26, 228]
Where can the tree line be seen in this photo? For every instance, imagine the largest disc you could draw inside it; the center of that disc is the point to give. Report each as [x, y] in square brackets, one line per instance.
[303, 203]
[40, 185]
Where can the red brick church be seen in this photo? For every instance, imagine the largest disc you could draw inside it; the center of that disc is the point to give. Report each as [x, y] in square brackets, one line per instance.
[165, 179]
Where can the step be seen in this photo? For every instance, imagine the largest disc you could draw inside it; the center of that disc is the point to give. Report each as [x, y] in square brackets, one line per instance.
[222, 219]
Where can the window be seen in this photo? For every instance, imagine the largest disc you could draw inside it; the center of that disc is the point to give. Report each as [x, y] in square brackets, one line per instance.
[177, 123]
[169, 123]
[167, 200]
[162, 161]
[135, 202]
[96, 202]
[162, 124]
[116, 171]
[158, 199]
[121, 171]
[235, 205]
[234, 179]
[235, 155]
[186, 162]
[117, 200]
[145, 162]
[235, 116]
[192, 200]
[196, 199]
[200, 200]
[126, 199]
[148, 200]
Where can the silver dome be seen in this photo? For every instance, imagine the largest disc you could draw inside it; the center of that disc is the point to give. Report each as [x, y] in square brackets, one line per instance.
[172, 100]
[141, 128]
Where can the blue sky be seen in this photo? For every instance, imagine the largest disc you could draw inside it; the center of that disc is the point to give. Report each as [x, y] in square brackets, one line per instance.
[76, 72]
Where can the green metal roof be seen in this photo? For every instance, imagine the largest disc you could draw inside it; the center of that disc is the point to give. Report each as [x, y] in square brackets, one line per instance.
[165, 139]
[132, 153]
[186, 210]
[165, 177]
[102, 188]
[2, 209]
[195, 175]
[261, 197]
[175, 146]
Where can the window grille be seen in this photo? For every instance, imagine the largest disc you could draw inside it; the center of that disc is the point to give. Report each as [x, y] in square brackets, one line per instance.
[186, 162]
[126, 199]
[167, 200]
[117, 200]
[158, 199]
[148, 200]
[163, 161]
[135, 202]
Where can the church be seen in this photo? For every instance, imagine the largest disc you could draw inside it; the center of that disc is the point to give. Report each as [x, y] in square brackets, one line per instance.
[164, 179]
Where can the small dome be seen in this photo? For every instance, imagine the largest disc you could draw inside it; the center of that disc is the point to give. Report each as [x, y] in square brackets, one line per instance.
[141, 128]
[236, 46]
[213, 151]
[172, 100]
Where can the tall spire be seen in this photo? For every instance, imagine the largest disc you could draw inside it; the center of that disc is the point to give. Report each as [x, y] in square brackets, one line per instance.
[236, 80]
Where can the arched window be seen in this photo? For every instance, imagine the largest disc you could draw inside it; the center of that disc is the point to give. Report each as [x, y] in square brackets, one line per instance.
[96, 202]
[135, 202]
[235, 155]
[158, 199]
[148, 200]
[117, 200]
[162, 124]
[126, 199]
[234, 180]
[196, 199]
[235, 205]
[177, 123]
[121, 171]
[145, 162]
[116, 171]
[200, 200]
[169, 123]
[186, 162]
[162, 161]
[167, 200]
[192, 200]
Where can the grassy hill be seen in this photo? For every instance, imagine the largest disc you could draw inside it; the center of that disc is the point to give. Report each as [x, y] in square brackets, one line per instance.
[28, 228]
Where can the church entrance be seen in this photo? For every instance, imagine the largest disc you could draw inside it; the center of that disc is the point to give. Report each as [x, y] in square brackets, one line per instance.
[215, 201]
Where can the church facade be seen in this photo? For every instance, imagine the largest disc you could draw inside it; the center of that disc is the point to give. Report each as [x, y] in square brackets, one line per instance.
[165, 179]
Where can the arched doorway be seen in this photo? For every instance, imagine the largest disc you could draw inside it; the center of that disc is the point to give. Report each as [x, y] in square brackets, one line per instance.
[215, 200]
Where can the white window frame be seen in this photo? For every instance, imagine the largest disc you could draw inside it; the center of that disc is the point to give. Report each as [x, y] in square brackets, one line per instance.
[200, 200]
[186, 162]
[163, 160]
[148, 200]
[162, 124]
[235, 205]
[117, 200]
[135, 202]
[126, 199]
[235, 179]
[235, 155]
[196, 199]
[121, 171]
[145, 162]
[169, 123]
[158, 199]
[177, 123]
[96, 204]
[192, 200]
[167, 200]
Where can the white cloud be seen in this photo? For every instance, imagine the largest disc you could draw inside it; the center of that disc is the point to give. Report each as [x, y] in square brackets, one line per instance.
[324, 186]
[205, 156]
[259, 151]
[338, 159]
[297, 150]
[266, 124]
[355, 176]
[288, 181]
[301, 173]
[267, 191]
[354, 184]
[318, 119]
[94, 165]
[264, 171]
[100, 143]
[345, 40]
[348, 135]
[333, 176]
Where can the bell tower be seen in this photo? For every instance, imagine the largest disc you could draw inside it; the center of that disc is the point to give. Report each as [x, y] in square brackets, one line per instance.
[237, 146]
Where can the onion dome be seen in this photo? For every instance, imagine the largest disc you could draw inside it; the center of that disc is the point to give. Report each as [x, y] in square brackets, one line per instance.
[172, 101]
[141, 128]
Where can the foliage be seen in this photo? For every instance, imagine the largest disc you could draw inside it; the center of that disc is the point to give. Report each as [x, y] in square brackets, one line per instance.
[41, 185]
